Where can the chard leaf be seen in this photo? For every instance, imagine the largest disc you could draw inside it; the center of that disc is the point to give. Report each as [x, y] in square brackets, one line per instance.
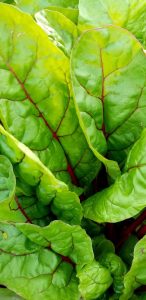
[8, 206]
[37, 273]
[33, 173]
[70, 13]
[137, 273]
[105, 253]
[59, 28]
[36, 103]
[94, 280]
[130, 14]
[127, 196]
[15, 205]
[102, 75]
[31, 6]
[70, 241]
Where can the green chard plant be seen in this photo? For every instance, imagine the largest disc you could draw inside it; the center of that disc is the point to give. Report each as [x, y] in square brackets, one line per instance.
[72, 150]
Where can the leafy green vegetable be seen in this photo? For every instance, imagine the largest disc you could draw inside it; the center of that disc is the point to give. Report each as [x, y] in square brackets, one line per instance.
[36, 271]
[59, 28]
[101, 73]
[33, 173]
[127, 196]
[72, 150]
[34, 6]
[137, 274]
[105, 253]
[28, 101]
[94, 280]
[130, 14]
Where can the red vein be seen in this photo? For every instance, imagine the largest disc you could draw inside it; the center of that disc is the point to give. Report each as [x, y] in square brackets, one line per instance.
[69, 167]
[22, 210]
[129, 116]
[68, 260]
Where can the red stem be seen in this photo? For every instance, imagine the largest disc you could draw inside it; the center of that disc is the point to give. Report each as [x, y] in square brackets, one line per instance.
[142, 231]
[131, 228]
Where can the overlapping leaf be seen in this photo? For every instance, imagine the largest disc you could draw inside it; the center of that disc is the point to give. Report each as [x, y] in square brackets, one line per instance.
[94, 280]
[34, 177]
[137, 273]
[110, 87]
[36, 255]
[127, 196]
[105, 253]
[59, 28]
[130, 14]
[32, 7]
[36, 103]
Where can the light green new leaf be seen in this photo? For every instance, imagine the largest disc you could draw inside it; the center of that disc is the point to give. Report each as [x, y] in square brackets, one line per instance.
[70, 13]
[36, 103]
[109, 82]
[137, 273]
[127, 196]
[59, 28]
[94, 280]
[130, 14]
[30, 170]
[33, 271]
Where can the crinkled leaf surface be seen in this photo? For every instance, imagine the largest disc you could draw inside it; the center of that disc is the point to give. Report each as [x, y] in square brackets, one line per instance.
[32, 269]
[62, 31]
[7, 192]
[109, 82]
[36, 103]
[130, 14]
[70, 241]
[127, 196]
[137, 273]
[17, 202]
[30, 170]
[94, 280]
[105, 253]
[32, 6]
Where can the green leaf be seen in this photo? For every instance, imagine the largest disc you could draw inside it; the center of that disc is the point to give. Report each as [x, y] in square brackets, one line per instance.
[37, 273]
[130, 14]
[105, 253]
[8, 207]
[94, 280]
[31, 6]
[36, 103]
[30, 170]
[70, 13]
[137, 273]
[6, 294]
[101, 73]
[70, 241]
[127, 196]
[59, 28]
